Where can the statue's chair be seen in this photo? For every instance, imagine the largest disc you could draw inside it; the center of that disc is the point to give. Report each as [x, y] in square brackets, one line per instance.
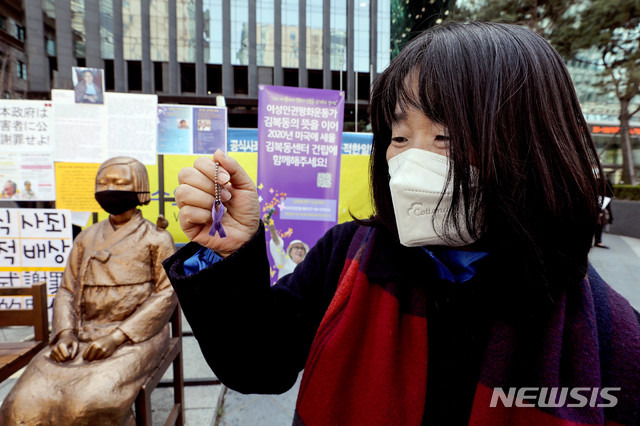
[15, 355]
[173, 355]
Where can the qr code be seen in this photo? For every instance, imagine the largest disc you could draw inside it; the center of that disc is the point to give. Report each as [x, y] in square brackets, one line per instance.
[324, 180]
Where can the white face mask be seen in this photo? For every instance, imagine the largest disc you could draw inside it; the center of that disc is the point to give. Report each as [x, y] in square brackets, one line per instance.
[418, 178]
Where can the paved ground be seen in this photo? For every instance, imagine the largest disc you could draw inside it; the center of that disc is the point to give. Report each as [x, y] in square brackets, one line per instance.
[619, 265]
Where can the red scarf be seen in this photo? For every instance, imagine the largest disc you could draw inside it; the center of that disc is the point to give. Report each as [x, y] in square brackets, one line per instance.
[368, 362]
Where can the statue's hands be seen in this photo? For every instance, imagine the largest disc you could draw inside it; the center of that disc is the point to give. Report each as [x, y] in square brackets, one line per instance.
[66, 348]
[195, 197]
[105, 346]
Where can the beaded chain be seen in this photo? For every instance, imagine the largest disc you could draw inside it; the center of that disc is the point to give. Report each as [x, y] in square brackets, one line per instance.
[217, 210]
[217, 190]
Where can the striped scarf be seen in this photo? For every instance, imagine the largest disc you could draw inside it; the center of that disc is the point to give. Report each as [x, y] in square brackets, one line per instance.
[368, 361]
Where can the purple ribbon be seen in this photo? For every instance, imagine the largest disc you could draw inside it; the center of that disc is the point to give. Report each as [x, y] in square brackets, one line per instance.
[216, 215]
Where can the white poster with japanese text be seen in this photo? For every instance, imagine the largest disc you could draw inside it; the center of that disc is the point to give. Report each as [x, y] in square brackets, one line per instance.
[26, 150]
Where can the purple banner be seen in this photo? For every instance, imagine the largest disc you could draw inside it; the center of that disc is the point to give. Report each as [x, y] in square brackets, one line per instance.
[300, 138]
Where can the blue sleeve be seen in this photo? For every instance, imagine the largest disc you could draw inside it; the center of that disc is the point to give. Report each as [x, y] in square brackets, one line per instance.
[202, 259]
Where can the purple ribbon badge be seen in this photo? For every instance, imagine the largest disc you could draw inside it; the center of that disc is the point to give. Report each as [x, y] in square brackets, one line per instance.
[216, 215]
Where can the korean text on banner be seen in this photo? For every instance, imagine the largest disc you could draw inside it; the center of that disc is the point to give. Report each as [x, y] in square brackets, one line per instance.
[300, 137]
[34, 247]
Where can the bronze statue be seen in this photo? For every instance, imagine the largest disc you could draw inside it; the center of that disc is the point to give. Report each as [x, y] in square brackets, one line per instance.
[109, 315]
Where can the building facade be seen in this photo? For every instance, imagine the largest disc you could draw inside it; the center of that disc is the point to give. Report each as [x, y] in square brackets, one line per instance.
[13, 58]
[190, 51]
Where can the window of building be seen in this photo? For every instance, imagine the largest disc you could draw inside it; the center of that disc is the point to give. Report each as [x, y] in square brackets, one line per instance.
[21, 69]
[239, 32]
[363, 86]
[159, 30]
[81, 62]
[49, 8]
[212, 11]
[78, 29]
[361, 35]
[264, 33]
[53, 66]
[265, 75]
[241, 80]
[214, 78]
[20, 32]
[315, 79]
[132, 30]
[3, 23]
[188, 77]
[384, 34]
[314, 36]
[50, 47]
[158, 83]
[186, 31]
[335, 80]
[290, 35]
[106, 29]
[338, 36]
[134, 75]
[109, 75]
[290, 77]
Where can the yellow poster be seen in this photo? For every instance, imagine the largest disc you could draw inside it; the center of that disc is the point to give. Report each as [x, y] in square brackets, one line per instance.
[75, 186]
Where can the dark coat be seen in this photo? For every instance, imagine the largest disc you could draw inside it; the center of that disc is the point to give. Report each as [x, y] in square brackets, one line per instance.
[256, 338]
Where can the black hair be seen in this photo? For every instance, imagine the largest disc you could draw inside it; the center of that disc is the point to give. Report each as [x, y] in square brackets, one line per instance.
[507, 100]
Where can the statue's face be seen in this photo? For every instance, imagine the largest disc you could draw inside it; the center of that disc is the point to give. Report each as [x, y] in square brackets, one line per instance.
[116, 177]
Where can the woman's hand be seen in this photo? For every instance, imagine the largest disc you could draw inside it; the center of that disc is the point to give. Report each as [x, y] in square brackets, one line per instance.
[195, 197]
[66, 348]
[105, 346]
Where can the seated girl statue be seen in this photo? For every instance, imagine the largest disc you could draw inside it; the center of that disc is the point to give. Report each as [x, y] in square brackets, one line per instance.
[110, 315]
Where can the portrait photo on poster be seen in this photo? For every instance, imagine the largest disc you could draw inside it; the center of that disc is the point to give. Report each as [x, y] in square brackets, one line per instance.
[88, 85]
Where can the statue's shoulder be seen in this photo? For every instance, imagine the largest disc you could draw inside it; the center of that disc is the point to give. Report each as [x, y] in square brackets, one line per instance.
[90, 231]
[160, 235]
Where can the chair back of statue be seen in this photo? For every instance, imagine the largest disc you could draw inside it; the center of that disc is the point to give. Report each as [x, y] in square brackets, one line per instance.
[15, 355]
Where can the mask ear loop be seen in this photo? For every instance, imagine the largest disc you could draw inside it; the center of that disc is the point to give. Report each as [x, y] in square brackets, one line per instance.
[217, 211]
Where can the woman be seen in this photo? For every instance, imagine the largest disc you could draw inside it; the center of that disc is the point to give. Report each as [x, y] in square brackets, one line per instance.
[286, 261]
[88, 90]
[468, 289]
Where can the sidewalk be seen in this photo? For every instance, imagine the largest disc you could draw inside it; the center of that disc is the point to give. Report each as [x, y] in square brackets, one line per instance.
[619, 266]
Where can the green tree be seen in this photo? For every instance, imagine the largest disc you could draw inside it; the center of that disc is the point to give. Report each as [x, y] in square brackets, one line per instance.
[610, 26]
[613, 28]
[410, 18]
[553, 19]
